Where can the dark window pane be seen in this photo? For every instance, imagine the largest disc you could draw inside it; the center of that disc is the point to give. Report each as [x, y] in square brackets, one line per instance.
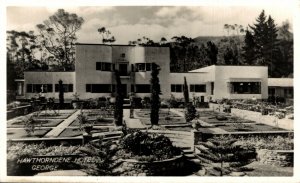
[106, 67]
[88, 88]
[148, 66]
[178, 88]
[173, 88]
[29, 88]
[70, 87]
[101, 88]
[142, 88]
[49, 88]
[192, 88]
[98, 66]
[56, 88]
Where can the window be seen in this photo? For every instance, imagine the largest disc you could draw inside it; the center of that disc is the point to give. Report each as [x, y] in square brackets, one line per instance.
[99, 88]
[212, 88]
[104, 66]
[245, 87]
[142, 67]
[271, 91]
[67, 88]
[176, 88]
[39, 88]
[198, 88]
[142, 88]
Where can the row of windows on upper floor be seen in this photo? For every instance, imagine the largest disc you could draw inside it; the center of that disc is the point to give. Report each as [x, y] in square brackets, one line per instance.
[108, 88]
[47, 88]
[110, 67]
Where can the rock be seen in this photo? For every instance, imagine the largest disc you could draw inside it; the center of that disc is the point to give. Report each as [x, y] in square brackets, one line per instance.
[201, 172]
[237, 174]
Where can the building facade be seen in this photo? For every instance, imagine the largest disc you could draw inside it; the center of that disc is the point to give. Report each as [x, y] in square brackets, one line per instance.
[94, 76]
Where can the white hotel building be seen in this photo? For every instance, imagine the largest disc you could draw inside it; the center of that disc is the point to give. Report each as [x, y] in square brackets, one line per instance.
[94, 77]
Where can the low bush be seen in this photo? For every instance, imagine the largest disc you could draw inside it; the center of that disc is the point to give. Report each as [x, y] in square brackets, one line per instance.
[140, 144]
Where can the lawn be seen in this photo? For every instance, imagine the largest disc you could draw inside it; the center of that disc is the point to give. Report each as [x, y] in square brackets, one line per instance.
[21, 133]
[73, 132]
[179, 128]
[39, 123]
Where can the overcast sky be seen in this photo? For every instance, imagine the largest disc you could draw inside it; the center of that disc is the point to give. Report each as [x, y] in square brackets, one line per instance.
[130, 23]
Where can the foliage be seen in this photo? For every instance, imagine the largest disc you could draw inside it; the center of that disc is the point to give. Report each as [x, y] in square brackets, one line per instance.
[83, 121]
[106, 35]
[186, 92]
[30, 123]
[118, 111]
[61, 94]
[105, 153]
[155, 91]
[58, 36]
[17, 150]
[143, 144]
[190, 112]
[221, 150]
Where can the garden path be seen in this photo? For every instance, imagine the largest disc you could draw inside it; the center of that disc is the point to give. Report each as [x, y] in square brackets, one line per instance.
[59, 128]
[132, 122]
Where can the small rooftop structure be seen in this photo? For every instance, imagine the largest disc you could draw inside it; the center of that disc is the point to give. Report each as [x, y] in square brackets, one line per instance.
[280, 82]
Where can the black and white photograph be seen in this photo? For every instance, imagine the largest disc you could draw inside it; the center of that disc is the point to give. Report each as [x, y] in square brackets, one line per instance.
[176, 91]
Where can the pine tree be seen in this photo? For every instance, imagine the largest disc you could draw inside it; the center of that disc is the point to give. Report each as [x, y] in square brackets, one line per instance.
[259, 33]
[186, 92]
[118, 112]
[225, 155]
[249, 49]
[155, 91]
[61, 94]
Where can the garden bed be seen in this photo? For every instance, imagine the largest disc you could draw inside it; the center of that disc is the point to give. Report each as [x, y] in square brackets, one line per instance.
[74, 132]
[248, 127]
[38, 123]
[103, 122]
[21, 133]
[53, 116]
[179, 128]
[163, 121]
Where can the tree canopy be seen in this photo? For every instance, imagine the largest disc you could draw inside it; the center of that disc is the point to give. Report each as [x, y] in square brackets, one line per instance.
[58, 36]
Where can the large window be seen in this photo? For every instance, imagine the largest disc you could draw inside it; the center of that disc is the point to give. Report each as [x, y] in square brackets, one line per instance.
[67, 88]
[142, 67]
[198, 88]
[39, 88]
[142, 88]
[245, 87]
[104, 66]
[99, 88]
[176, 88]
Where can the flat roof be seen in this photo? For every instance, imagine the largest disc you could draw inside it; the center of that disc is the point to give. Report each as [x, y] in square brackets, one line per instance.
[101, 44]
[281, 82]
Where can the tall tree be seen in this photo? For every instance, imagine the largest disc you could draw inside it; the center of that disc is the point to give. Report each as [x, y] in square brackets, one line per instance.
[186, 92]
[212, 52]
[118, 112]
[259, 33]
[249, 49]
[155, 91]
[58, 36]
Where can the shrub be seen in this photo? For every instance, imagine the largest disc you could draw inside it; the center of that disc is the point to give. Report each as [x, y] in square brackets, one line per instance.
[190, 112]
[142, 144]
[221, 150]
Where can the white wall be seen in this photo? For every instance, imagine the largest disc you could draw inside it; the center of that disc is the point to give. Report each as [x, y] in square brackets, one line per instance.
[223, 75]
[50, 78]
